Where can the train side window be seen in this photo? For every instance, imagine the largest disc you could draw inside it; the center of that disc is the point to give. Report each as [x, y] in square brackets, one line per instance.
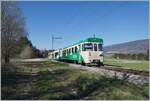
[67, 51]
[95, 47]
[63, 53]
[83, 49]
[56, 54]
[76, 49]
[72, 49]
[79, 48]
[100, 47]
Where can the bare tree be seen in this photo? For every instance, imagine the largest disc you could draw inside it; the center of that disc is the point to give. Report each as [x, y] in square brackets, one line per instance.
[13, 27]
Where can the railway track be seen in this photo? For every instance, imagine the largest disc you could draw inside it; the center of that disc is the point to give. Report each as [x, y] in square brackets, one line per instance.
[134, 76]
[135, 72]
[115, 68]
[106, 66]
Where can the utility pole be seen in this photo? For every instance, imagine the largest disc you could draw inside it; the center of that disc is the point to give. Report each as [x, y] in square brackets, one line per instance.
[52, 42]
[53, 39]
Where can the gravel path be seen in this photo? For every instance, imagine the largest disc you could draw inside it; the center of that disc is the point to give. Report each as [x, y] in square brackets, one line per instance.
[30, 60]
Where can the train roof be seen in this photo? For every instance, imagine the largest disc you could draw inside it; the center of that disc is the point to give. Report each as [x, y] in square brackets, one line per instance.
[92, 40]
[100, 40]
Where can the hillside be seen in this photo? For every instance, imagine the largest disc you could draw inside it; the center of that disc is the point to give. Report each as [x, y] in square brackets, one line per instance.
[138, 46]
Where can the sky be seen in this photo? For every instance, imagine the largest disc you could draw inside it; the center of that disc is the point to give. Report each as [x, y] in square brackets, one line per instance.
[113, 21]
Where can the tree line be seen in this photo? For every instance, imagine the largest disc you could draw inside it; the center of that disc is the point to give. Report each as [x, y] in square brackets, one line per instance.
[30, 51]
[139, 56]
[14, 36]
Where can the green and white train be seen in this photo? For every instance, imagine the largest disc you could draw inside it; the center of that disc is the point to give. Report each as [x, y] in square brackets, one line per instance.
[85, 52]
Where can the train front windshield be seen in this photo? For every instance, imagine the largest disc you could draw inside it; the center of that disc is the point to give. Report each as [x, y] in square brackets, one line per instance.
[89, 47]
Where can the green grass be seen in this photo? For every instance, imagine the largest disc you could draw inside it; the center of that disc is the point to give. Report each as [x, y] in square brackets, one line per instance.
[65, 82]
[128, 64]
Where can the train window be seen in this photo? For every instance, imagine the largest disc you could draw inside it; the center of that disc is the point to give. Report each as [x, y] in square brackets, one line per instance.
[63, 53]
[100, 47]
[56, 54]
[76, 49]
[67, 51]
[79, 48]
[95, 47]
[88, 47]
[83, 47]
[70, 50]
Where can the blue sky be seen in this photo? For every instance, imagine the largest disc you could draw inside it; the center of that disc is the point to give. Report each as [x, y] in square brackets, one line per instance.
[115, 22]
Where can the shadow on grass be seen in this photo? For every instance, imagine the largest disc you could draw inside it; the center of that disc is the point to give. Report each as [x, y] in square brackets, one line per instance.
[13, 82]
[10, 74]
[112, 65]
[108, 88]
[52, 85]
[82, 87]
[86, 86]
[64, 84]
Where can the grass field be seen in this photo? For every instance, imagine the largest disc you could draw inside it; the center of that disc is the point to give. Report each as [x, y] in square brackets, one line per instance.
[49, 80]
[128, 64]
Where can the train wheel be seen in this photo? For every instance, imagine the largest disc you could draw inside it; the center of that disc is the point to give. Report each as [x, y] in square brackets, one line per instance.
[83, 63]
[76, 62]
[99, 64]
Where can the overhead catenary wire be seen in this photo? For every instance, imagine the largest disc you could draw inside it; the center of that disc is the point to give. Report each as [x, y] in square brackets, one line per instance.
[53, 39]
